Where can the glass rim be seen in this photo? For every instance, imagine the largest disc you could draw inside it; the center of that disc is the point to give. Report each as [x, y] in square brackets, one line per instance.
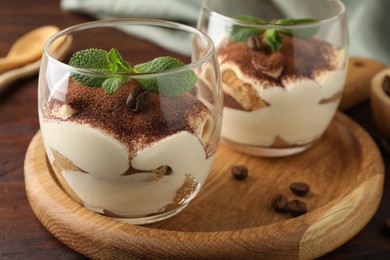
[340, 13]
[133, 21]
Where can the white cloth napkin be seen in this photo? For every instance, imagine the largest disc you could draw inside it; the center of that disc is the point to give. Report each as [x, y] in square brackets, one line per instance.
[369, 27]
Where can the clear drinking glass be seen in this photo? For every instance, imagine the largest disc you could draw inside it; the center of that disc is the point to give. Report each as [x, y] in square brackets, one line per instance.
[138, 154]
[283, 66]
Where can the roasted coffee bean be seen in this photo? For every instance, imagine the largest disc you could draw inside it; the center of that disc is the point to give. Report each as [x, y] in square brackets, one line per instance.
[132, 98]
[386, 85]
[300, 188]
[296, 207]
[137, 99]
[279, 203]
[240, 172]
[256, 44]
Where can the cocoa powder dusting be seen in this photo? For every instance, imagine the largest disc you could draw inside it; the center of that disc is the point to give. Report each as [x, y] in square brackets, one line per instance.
[297, 58]
[163, 116]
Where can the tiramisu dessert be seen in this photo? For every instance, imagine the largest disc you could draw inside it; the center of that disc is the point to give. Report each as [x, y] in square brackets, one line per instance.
[129, 153]
[279, 93]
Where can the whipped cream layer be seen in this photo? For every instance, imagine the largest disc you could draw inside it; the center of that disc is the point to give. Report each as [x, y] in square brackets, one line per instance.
[294, 113]
[102, 184]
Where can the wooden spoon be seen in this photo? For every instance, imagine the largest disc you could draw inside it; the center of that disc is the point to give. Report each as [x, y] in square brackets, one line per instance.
[58, 49]
[27, 48]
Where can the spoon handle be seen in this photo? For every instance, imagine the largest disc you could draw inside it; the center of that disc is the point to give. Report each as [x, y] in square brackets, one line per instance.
[59, 50]
[10, 76]
[8, 64]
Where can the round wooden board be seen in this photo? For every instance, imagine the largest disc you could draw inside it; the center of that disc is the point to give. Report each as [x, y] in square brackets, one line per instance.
[232, 218]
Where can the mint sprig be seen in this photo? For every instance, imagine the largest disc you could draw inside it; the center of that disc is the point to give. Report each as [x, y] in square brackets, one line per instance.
[245, 32]
[93, 59]
[112, 66]
[170, 84]
[273, 39]
[299, 32]
[241, 33]
[116, 62]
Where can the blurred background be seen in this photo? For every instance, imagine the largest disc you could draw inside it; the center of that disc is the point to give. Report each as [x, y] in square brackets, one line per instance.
[369, 26]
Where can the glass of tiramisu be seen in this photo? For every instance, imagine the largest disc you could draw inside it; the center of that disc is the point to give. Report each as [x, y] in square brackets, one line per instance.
[131, 118]
[283, 66]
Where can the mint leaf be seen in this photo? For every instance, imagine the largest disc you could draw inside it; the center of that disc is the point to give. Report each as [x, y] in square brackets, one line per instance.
[299, 32]
[170, 85]
[249, 18]
[111, 62]
[295, 21]
[116, 62]
[90, 59]
[176, 84]
[100, 61]
[241, 33]
[273, 39]
[158, 64]
[111, 85]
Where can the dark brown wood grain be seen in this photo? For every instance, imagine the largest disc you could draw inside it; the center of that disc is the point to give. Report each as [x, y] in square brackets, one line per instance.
[21, 234]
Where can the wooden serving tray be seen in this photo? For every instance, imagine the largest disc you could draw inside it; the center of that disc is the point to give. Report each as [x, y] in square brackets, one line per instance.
[232, 218]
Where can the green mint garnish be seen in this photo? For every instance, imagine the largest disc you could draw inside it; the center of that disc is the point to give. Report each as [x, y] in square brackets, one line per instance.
[173, 84]
[167, 85]
[299, 32]
[243, 33]
[111, 85]
[273, 39]
[92, 59]
[116, 62]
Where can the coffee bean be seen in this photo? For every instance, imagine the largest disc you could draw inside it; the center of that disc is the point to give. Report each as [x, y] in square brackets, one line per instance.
[132, 98]
[256, 44]
[296, 207]
[142, 102]
[386, 85]
[279, 203]
[300, 188]
[240, 172]
[137, 99]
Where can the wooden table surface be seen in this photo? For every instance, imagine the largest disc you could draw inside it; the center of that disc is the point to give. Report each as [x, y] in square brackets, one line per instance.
[21, 234]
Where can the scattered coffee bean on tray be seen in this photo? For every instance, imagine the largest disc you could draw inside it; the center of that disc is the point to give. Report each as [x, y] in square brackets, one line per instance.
[300, 188]
[239, 172]
[279, 203]
[296, 207]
